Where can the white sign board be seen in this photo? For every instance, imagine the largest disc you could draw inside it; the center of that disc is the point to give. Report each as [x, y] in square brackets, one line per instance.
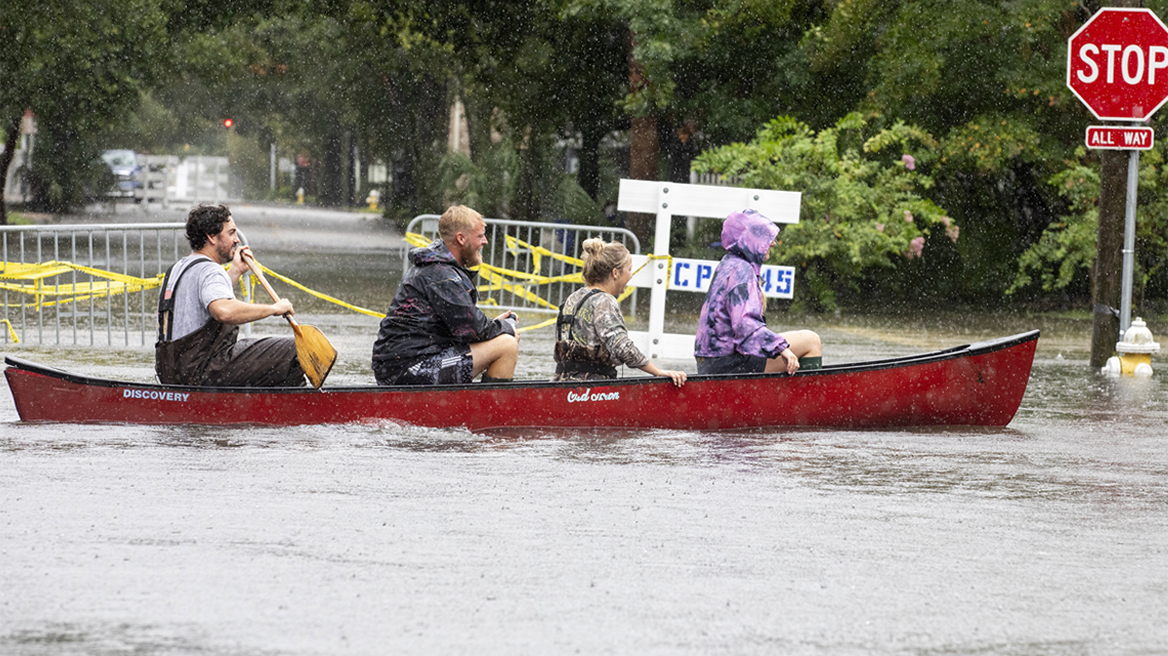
[706, 200]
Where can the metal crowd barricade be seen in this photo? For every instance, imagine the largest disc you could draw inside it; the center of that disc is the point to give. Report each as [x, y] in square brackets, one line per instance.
[128, 318]
[562, 239]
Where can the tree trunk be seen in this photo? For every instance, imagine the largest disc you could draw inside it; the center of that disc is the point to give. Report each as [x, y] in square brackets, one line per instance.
[478, 128]
[11, 138]
[331, 176]
[589, 173]
[528, 196]
[429, 139]
[679, 153]
[348, 172]
[1106, 274]
[679, 149]
[643, 149]
[402, 188]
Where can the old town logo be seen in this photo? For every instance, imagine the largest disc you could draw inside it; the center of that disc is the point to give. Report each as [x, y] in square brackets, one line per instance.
[587, 395]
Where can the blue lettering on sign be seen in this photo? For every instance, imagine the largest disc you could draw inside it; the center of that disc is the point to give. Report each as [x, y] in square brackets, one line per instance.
[704, 273]
[783, 279]
[696, 276]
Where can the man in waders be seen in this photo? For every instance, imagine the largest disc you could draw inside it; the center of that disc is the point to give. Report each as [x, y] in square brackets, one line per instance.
[199, 316]
[434, 333]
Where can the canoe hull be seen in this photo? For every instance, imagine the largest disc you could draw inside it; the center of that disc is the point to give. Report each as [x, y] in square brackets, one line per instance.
[980, 384]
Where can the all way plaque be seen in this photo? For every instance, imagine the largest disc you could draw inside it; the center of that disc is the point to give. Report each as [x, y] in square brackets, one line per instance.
[1110, 137]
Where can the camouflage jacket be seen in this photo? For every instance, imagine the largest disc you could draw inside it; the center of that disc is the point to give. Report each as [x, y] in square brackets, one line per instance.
[596, 333]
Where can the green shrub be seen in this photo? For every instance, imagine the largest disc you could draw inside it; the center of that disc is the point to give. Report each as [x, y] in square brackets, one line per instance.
[862, 207]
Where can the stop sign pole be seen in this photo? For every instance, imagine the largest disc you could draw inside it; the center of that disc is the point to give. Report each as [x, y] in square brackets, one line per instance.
[1117, 64]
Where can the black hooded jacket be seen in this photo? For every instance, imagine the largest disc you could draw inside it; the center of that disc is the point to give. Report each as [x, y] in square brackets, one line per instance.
[435, 307]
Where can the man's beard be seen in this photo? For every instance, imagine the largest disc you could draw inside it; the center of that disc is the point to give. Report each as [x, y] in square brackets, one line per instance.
[226, 254]
[471, 259]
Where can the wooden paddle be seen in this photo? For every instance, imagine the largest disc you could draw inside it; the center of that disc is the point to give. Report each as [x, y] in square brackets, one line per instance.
[315, 352]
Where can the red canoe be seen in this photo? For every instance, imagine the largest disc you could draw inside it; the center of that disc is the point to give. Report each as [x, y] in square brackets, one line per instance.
[976, 385]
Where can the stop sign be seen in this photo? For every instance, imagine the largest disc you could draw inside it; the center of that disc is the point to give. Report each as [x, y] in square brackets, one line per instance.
[1117, 64]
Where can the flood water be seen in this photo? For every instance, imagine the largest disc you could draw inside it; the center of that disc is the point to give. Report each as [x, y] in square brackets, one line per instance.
[1044, 537]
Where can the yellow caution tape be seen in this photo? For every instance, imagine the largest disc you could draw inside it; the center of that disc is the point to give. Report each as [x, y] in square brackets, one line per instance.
[48, 295]
[515, 244]
[417, 241]
[542, 324]
[325, 297]
[11, 331]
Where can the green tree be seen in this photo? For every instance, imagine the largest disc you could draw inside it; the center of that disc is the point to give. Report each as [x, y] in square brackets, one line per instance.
[863, 204]
[1061, 259]
[78, 67]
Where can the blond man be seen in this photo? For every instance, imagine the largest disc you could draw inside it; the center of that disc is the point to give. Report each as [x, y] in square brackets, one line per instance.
[433, 332]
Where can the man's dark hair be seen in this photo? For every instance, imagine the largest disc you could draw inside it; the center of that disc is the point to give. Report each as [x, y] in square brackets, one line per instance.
[205, 221]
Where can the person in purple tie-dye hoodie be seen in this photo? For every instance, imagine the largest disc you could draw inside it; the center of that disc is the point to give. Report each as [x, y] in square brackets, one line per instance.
[732, 334]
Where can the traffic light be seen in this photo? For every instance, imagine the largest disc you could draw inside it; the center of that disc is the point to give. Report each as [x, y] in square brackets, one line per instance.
[227, 123]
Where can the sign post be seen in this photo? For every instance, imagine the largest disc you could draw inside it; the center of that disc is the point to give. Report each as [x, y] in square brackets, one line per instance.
[1117, 64]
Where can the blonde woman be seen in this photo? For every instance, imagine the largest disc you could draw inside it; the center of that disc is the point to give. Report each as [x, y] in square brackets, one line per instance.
[591, 338]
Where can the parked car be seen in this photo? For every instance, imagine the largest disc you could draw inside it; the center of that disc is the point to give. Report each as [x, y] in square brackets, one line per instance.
[127, 174]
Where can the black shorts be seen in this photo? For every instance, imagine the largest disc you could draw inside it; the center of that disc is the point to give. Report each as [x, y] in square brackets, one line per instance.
[735, 363]
[454, 365]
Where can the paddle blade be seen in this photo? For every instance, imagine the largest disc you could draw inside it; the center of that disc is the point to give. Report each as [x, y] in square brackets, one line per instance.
[315, 352]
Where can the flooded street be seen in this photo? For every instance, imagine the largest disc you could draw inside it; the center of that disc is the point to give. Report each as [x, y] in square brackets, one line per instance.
[1044, 537]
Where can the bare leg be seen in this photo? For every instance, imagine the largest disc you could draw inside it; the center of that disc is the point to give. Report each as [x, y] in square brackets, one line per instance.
[497, 357]
[804, 344]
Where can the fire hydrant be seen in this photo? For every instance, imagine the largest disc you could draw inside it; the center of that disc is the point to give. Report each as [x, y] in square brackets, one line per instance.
[373, 198]
[300, 196]
[1135, 352]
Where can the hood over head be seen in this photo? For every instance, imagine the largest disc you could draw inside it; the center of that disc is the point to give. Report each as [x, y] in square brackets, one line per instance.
[433, 253]
[748, 234]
